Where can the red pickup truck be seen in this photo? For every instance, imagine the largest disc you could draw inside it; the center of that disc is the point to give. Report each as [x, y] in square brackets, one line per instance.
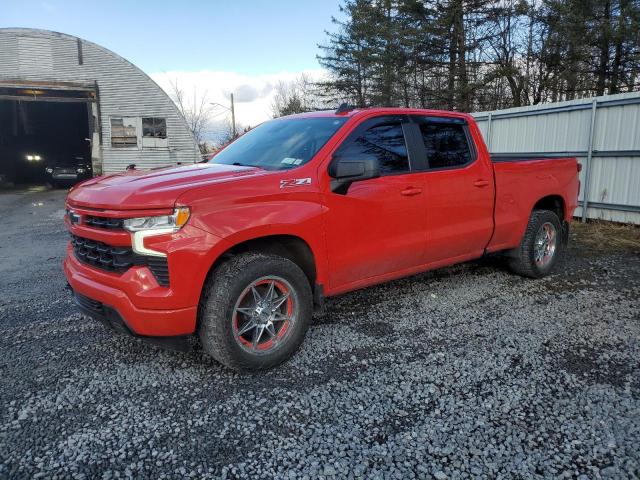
[237, 251]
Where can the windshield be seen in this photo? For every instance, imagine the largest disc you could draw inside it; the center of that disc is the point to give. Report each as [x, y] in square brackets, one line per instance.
[280, 144]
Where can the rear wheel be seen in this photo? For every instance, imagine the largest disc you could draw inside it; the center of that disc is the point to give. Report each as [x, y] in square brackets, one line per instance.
[540, 247]
[255, 311]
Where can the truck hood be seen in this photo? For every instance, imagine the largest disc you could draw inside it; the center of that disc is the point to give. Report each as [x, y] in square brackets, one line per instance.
[139, 189]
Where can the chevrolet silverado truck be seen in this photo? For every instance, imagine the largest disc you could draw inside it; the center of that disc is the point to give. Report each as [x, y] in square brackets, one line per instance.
[239, 250]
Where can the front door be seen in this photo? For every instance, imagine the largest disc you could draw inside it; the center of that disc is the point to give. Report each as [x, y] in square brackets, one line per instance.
[377, 226]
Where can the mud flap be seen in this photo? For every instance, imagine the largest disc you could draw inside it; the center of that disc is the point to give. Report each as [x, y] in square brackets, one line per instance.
[565, 233]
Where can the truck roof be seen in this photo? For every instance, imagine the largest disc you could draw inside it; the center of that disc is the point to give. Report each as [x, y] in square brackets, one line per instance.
[380, 111]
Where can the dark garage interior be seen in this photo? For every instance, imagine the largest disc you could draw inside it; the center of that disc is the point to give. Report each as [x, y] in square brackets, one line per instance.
[39, 138]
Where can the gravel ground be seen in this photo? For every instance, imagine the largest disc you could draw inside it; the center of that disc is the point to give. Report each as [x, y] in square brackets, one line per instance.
[468, 371]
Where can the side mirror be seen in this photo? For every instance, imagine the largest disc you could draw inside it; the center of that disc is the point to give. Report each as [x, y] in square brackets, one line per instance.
[346, 170]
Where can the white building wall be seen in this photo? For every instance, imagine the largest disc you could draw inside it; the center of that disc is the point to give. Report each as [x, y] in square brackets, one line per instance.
[28, 55]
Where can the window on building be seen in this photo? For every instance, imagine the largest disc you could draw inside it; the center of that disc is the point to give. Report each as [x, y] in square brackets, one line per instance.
[124, 132]
[154, 127]
[385, 142]
[446, 145]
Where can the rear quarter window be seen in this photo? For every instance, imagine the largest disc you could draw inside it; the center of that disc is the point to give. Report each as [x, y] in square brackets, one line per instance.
[446, 145]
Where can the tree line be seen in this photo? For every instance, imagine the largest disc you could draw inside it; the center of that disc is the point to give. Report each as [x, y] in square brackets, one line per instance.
[474, 55]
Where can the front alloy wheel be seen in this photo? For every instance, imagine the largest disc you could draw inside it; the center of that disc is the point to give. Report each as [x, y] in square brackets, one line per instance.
[254, 311]
[264, 314]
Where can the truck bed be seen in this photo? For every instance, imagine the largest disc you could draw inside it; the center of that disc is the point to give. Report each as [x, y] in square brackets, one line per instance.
[520, 182]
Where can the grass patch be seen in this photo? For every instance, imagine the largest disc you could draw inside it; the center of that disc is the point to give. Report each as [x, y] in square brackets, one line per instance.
[599, 233]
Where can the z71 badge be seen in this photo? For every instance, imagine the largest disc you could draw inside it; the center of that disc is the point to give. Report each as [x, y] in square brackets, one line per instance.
[295, 182]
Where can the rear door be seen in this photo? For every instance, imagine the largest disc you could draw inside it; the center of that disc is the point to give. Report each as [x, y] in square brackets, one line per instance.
[459, 191]
[377, 226]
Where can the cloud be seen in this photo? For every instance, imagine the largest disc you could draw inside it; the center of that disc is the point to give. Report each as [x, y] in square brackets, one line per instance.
[245, 94]
[253, 94]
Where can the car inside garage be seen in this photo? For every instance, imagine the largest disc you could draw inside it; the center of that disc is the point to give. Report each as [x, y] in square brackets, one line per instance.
[45, 136]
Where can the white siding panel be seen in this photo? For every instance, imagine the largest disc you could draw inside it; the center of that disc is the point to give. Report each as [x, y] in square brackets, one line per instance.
[564, 131]
[615, 180]
[618, 128]
[35, 55]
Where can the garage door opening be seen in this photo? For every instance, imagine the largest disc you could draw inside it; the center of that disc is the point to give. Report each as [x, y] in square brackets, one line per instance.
[44, 142]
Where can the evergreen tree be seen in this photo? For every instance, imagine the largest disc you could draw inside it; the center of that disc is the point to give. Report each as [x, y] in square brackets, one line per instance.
[481, 54]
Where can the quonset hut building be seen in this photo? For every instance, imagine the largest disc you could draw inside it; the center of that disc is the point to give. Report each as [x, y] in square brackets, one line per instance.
[64, 99]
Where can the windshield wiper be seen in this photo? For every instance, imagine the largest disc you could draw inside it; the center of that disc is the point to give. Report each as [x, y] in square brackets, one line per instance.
[238, 164]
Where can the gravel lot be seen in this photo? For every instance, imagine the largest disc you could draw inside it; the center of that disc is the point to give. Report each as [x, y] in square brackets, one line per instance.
[468, 371]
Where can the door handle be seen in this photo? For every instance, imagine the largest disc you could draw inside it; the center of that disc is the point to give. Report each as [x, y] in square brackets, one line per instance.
[481, 183]
[411, 191]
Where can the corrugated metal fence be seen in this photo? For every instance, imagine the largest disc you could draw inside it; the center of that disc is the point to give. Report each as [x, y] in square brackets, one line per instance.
[603, 132]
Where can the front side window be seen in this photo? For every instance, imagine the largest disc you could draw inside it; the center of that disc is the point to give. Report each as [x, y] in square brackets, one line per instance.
[154, 127]
[280, 144]
[386, 142]
[124, 132]
[446, 144]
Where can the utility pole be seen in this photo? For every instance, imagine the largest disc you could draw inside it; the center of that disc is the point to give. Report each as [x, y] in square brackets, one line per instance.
[233, 117]
[233, 114]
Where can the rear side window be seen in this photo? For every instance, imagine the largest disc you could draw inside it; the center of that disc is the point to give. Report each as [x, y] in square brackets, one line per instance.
[385, 142]
[446, 145]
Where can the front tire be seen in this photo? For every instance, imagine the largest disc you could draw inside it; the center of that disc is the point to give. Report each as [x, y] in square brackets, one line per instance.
[541, 246]
[255, 311]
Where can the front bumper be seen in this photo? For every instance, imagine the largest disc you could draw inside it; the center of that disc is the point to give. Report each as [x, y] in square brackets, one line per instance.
[64, 176]
[112, 319]
[145, 306]
[86, 281]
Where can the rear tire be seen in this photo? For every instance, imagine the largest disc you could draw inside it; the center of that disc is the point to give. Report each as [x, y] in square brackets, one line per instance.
[255, 296]
[541, 246]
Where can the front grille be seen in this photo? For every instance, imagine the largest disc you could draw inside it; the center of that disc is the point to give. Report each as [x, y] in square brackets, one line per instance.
[101, 255]
[104, 222]
[118, 259]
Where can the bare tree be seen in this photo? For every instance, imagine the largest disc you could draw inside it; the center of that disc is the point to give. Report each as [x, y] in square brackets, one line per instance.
[225, 133]
[297, 96]
[197, 111]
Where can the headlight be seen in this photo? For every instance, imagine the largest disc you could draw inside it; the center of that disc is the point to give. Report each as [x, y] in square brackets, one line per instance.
[37, 158]
[164, 222]
[30, 157]
[49, 170]
[80, 170]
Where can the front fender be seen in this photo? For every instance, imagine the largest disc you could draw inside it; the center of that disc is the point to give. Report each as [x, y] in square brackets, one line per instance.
[239, 223]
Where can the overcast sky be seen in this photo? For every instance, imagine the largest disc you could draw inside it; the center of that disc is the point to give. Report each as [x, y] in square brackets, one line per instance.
[218, 46]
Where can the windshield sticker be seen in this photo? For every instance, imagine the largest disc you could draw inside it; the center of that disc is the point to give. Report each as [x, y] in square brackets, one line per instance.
[291, 161]
[295, 182]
